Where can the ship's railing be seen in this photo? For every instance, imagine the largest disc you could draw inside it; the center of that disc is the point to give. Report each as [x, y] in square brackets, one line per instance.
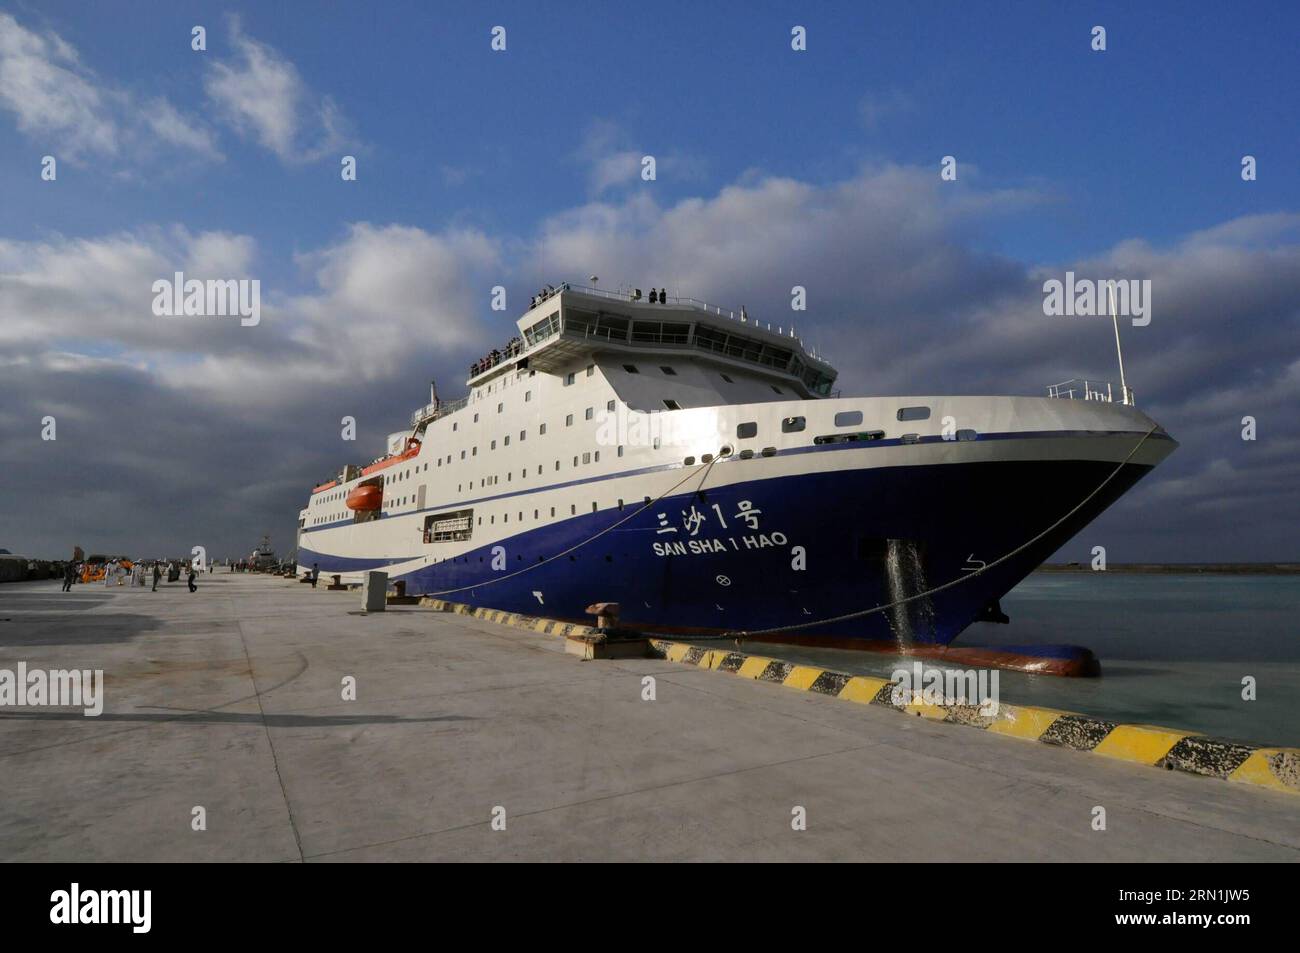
[440, 409]
[1080, 389]
[741, 317]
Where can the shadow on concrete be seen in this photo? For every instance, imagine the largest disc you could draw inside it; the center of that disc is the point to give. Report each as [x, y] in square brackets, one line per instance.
[295, 720]
[72, 630]
[43, 603]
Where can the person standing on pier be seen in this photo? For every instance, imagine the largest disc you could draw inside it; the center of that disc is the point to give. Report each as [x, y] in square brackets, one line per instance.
[315, 574]
[157, 574]
[190, 579]
[69, 574]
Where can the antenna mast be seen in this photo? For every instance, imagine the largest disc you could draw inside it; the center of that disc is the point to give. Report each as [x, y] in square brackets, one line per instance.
[1119, 352]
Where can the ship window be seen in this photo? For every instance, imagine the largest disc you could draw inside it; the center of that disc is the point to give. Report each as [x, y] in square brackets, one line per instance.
[726, 378]
[609, 406]
[598, 456]
[541, 430]
[500, 407]
[707, 458]
[473, 451]
[689, 461]
[668, 370]
[552, 511]
[476, 418]
[848, 418]
[913, 413]
[631, 369]
[747, 454]
[539, 469]
[777, 389]
[568, 420]
[586, 457]
[462, 454]
[455, 425]
[672, 404]
[591, 369]
[620, 504]
[620, 450]
[575, 461]
[523, 435]
[747, 431]
[568, 379]
[573, 509]
[494, 445]
[557, 464]
[911, 438]
[967, 435]
[589, 413]
[506, 441]
[793, 424]
[769, 451]
[593, 506]
[534, 514]
[528, 395]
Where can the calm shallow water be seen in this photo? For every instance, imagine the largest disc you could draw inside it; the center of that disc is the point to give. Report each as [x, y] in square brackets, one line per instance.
[1173, 648]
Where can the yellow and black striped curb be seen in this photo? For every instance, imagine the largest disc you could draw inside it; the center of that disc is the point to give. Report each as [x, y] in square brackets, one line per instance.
[516, 619]
[1276, 768]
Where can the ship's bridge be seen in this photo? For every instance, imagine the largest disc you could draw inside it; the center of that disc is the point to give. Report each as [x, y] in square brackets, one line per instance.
[565, 324]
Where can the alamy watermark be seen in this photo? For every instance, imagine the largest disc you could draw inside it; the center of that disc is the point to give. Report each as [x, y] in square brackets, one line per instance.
[946, 687]
[216, 297]
[1084, 297]
[53, 688]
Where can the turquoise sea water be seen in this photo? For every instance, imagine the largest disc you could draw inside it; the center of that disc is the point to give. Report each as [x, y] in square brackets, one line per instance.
[1174, 650]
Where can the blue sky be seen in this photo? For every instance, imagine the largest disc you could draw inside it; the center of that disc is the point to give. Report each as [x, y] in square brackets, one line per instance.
[775, 167]
[1144, 139]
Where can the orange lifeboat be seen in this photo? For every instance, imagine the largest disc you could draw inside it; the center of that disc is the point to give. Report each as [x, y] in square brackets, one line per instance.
[366, 498]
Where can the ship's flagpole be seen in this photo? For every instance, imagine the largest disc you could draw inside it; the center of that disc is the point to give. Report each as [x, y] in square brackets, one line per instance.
[1123, 385]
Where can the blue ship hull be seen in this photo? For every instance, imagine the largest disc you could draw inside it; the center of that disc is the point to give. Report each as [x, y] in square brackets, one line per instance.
[807, 548]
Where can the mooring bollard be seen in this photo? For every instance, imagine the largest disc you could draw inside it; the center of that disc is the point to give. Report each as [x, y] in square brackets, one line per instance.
[606, 614]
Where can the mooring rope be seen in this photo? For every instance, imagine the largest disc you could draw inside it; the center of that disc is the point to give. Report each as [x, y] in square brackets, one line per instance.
[749, 633]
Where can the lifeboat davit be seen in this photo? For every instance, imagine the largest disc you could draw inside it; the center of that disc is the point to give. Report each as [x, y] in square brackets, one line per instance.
[410, 449]
[366, 498]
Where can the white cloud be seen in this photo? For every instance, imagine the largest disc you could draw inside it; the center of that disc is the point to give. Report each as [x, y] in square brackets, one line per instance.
[262, 95]
[73, 113]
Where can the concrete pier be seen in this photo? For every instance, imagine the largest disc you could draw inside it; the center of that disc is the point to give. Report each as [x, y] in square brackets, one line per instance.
[231, 700]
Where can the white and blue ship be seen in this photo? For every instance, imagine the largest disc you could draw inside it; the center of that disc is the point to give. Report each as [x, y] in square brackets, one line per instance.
[698, 468]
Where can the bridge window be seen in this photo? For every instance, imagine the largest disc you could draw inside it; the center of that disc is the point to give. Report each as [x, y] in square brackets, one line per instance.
[913, 413]
[672, 404]
[631, 369]
[668, 370]
[746, 430]
[848, 418]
